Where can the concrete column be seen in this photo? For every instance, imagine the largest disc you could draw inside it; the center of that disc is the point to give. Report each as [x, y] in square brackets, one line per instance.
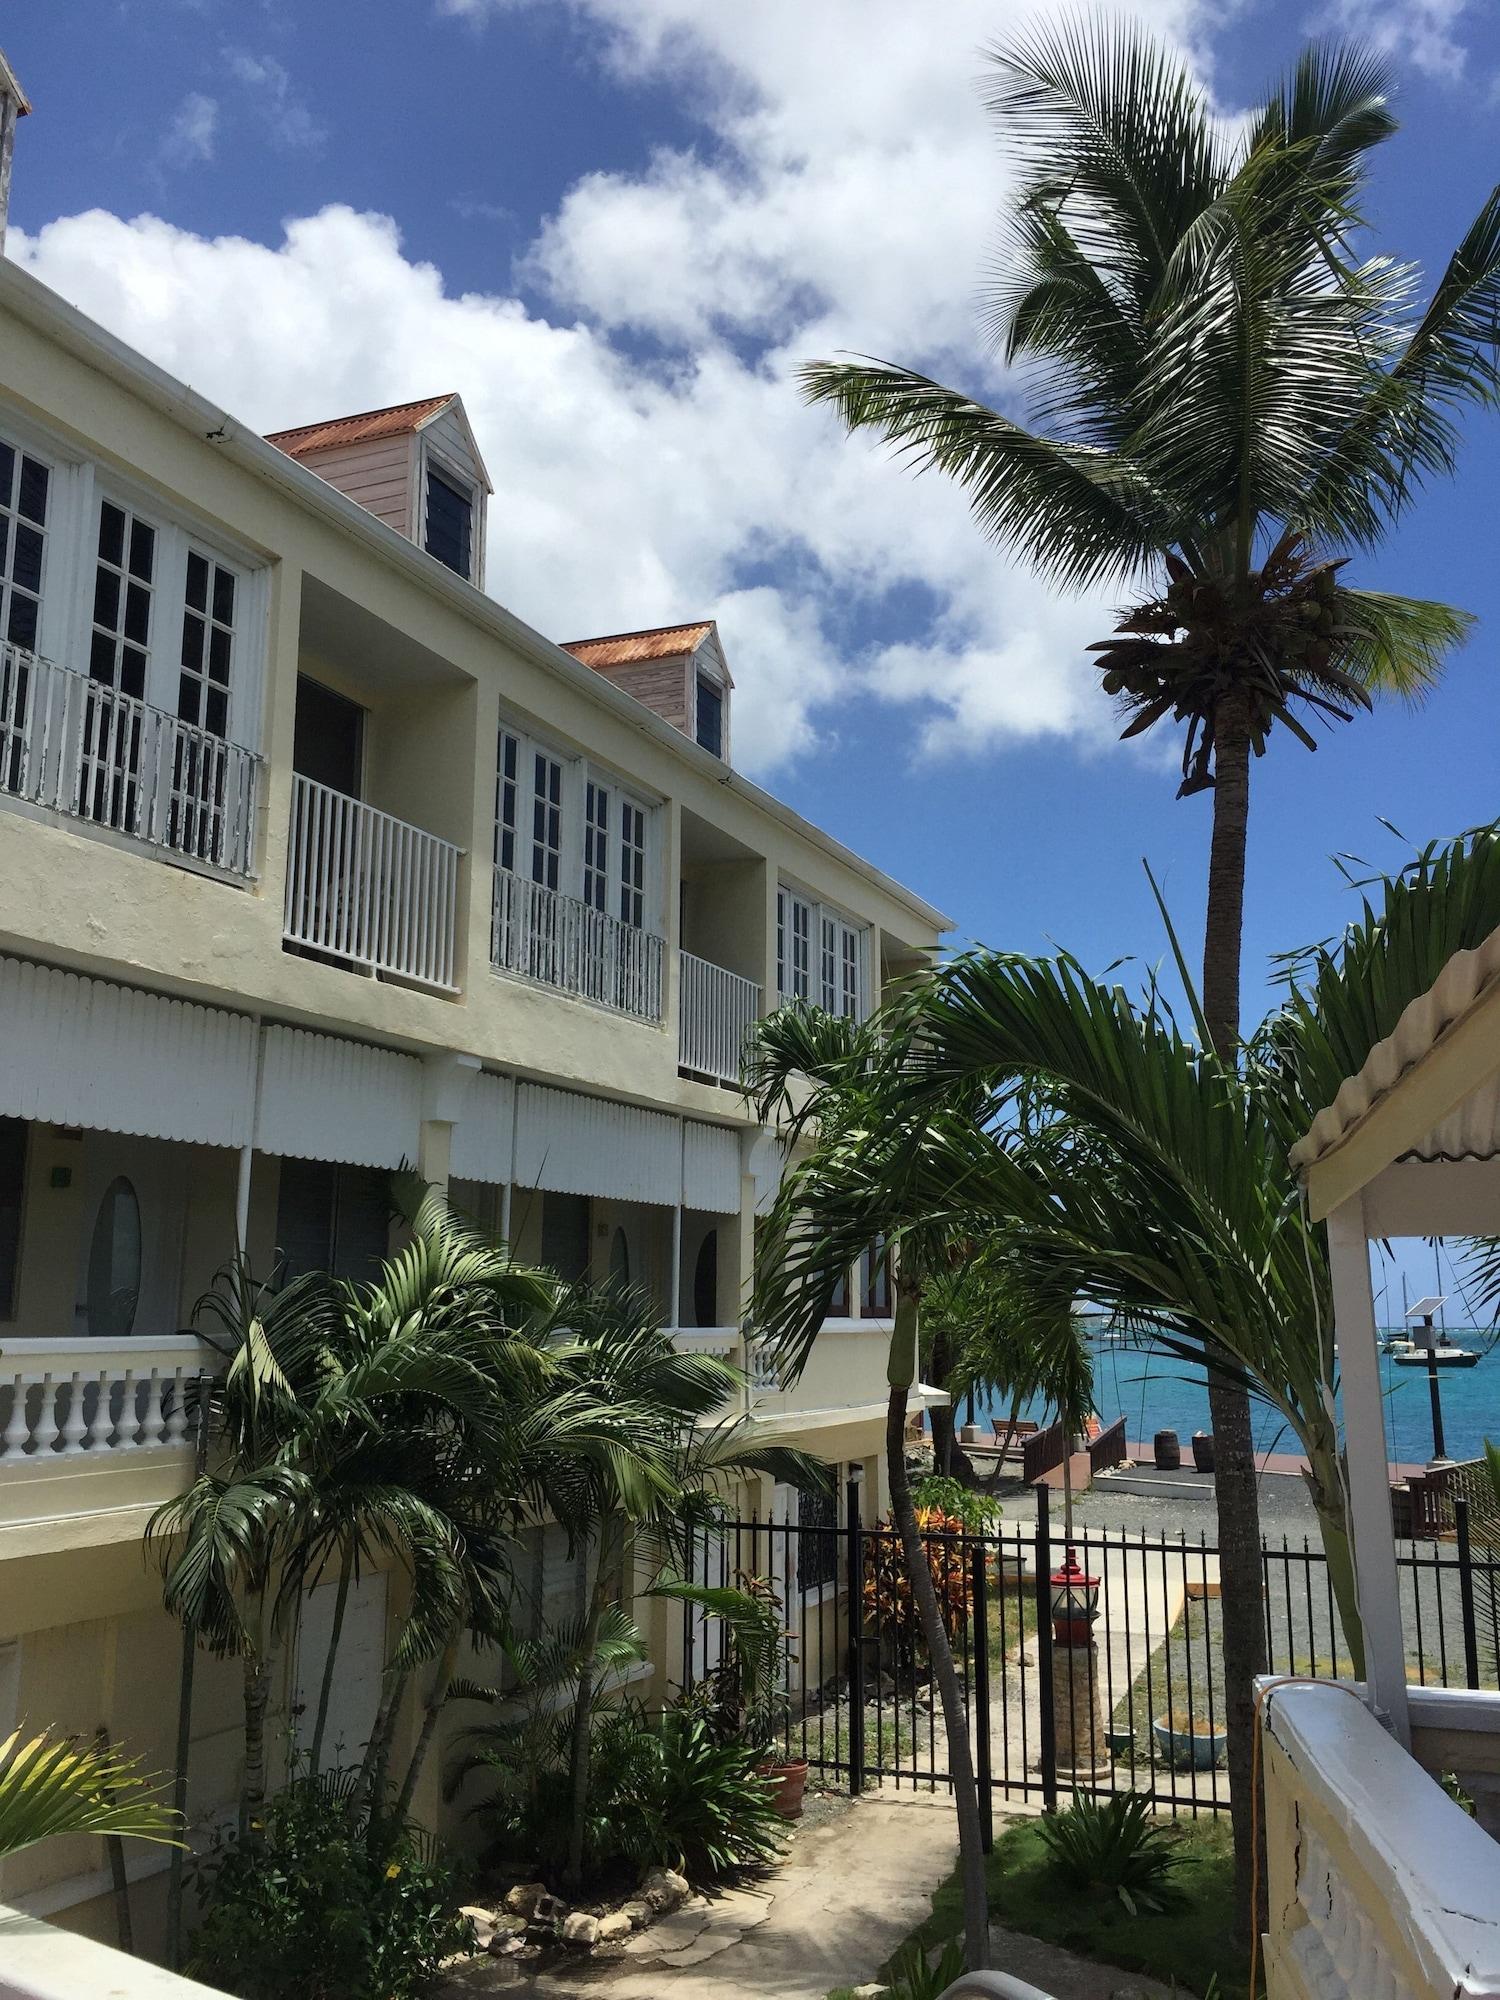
[1367, 1477]
[445, 1085]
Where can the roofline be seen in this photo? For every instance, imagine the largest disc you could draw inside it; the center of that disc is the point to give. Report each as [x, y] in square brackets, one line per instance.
[704, 625]
[42, 308]
[10, 86]
[442, 399]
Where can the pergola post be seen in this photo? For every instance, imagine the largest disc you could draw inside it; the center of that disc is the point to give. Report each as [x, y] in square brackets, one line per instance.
[1366, 1466]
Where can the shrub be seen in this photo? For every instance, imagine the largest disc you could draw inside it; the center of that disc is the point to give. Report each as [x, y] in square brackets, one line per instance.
[309, 1908]
[889, 1607]
[978, 1513]
[912, 1978]
[1112, 1847]
[664, 1791]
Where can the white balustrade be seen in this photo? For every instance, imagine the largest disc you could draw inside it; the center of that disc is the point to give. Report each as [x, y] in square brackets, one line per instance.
[84, 1398]
[370, 889]
[720, 1341]
[716, 1009]
[77, 746]
[563, 942]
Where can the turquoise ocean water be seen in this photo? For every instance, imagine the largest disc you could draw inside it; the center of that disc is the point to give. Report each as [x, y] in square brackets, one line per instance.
[1156, 1392]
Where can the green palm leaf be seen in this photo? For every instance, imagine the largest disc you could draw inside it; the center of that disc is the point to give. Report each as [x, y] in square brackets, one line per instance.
[52, 1785]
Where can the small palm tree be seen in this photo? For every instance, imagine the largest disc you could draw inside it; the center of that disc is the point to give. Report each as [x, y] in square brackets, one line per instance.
[649, 1456]
[52, 1785]
[1230, 396]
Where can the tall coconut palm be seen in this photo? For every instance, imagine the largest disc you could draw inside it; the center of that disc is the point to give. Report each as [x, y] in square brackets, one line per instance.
[654, 1455]
[836, 1090]
[1230, 397]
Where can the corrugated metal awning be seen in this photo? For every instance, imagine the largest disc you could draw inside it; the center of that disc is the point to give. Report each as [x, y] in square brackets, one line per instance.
[482, 1137]
[711, 1168]
[574, 1144]
[324, 1098]
[89, 1052]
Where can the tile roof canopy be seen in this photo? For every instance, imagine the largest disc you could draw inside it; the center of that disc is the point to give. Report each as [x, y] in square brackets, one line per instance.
[368, 424]
[1471, 1130]
[624, 649]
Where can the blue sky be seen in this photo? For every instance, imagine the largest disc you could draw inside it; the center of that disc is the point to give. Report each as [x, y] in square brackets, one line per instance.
[615, 226]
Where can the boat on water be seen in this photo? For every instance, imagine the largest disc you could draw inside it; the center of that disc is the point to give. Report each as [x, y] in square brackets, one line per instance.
[1415, 1354]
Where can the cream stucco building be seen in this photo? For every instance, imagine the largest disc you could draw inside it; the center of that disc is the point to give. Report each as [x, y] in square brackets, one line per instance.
[317, 861]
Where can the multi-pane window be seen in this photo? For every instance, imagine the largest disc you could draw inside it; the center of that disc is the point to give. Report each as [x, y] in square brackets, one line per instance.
[632, 864]
[546, 820]
[124, 580]
[207, 644]
[596, 846]
[819, 956]
[875, 1271]
[507, 778]
[24, 486]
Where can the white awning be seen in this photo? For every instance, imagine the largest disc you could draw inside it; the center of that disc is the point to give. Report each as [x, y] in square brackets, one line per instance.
[711, 1168]
[324, 1098]
[89, 1052]
[574, 1144]
[482, 1136]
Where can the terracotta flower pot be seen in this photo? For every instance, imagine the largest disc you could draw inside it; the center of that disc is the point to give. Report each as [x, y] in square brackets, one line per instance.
[788, 1782]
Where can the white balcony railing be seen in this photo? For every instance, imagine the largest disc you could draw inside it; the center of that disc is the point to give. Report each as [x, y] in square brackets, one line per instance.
[722, 1342]
[77, 1398]
[80, 747]
[561, 941]
[370, 889]
[716, 1010]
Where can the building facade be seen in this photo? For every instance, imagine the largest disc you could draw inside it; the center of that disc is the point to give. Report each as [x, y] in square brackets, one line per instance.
[318, 863]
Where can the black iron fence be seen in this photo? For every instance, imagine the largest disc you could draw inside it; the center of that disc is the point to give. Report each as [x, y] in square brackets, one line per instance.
[1138, 1704]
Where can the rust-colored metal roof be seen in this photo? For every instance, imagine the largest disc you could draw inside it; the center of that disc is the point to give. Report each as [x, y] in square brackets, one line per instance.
[624, 649]
[361, 429]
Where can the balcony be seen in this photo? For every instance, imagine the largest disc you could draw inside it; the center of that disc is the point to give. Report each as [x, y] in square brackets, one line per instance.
[560, 941]
[369, 890]
[716, 1009]
[76, 746]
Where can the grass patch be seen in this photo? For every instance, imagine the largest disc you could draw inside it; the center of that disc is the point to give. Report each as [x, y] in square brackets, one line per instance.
[1188, 1944]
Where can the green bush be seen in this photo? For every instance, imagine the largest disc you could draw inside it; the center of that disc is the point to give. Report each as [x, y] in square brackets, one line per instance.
[663, 1792]
[912, 1978]
[1114, 1847]
[309, 1908]
[979, 1512]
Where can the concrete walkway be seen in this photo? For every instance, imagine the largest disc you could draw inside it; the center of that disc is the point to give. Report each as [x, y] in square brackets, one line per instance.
[851, 1890]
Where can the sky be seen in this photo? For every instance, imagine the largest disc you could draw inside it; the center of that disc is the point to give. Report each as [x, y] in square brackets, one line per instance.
[616, 227]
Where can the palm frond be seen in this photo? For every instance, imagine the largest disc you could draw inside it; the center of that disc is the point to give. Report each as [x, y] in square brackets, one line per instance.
[51, 1785]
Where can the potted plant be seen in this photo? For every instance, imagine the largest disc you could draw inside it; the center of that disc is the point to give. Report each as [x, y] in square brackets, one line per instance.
[745, 1696]
[1189, 1740]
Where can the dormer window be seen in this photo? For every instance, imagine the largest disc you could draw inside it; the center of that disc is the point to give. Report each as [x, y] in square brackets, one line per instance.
[710, 716]
[450, 523]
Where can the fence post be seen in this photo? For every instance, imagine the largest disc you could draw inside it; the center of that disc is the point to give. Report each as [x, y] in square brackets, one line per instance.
[981, 1617]
[1466, 1591]
[1046, 1691]
[854, 1533]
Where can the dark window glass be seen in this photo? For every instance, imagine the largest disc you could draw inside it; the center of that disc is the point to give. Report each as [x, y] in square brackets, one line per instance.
[13, 1135]
[818, 1542]
[207, 638]
[565, 1236]
[838, 1305]
[711, 717]
[877, 1277]
[31, 499]
[23, 518]
[450, 524]
[327, 737]
[333, 1219]
[706, 1281]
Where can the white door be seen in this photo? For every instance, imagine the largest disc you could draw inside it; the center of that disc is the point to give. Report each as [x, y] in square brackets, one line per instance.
[355, 1695]
[130, 1266]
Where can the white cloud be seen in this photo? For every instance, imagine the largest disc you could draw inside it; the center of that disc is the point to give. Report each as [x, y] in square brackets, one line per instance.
[1423, 32]
[842, 196]
[190, 137]
[287, 120]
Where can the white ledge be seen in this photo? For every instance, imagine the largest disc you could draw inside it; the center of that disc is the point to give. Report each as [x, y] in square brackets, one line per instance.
[39, 1962]
[1435, 1867]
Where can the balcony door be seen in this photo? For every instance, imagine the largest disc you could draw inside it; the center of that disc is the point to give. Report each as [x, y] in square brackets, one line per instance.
[328, 738]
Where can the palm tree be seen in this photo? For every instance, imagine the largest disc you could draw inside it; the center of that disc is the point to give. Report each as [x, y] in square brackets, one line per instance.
[1229, 398]
[836, 1088]
[652, 1456]
[52, 1785]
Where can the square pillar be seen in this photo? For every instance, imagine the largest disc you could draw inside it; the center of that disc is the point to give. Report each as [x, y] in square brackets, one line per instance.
[1367, 1480]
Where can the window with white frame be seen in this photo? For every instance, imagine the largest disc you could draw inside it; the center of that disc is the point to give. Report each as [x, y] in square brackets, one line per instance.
[25, 483]
[833, 975]
[565, 825]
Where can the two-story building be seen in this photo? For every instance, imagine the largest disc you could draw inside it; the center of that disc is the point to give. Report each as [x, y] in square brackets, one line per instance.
[315, 861]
